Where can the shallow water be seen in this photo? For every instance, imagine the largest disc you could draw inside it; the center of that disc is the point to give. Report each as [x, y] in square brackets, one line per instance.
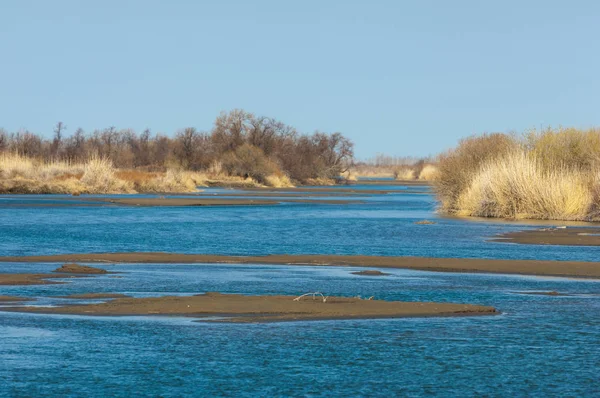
[383, 225]
[540, 345]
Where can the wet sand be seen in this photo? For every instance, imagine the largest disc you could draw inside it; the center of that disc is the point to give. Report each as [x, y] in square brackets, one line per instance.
[68, 271]
[29, 279]
[324, 190]
[470, 265]
[370, 273]
[168, 202]
[79, 269]
[186, 202]
[93, 296]
[553, 236]
[552, 293]
[14, 299]
[391, 182]
[239, 308]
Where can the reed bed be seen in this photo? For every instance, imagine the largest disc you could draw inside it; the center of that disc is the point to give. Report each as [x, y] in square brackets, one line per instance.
[553, 174]
[97, 175]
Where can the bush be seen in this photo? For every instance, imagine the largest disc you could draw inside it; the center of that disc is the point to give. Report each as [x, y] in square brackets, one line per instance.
[249, 161]
[457, 167]
[547, 175]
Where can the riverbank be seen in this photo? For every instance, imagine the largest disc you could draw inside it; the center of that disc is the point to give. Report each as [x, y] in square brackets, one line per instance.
[572, 269]
[540, 175]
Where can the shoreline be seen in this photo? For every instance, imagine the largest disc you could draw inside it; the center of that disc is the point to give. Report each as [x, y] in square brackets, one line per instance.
[173, 202]
[573, 269]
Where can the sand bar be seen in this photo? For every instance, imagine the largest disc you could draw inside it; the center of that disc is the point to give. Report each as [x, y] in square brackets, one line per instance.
[169, 202]
[325, 190]
[29, 279]
[575, 269]
[570, 236]
[68, 271]
[371, 272]
[72, 268]
[14, 299]
[93, 296]
[240, 308]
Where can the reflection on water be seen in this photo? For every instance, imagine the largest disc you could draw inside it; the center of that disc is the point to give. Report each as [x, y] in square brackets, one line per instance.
[541, 345]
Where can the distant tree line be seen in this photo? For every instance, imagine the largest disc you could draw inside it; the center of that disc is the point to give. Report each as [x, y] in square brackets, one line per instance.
[239, 143]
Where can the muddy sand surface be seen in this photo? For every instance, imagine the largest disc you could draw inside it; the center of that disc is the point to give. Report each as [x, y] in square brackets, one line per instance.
[79, 269]
[390, 182]
[239, 308]
[29, 279]
[218, 202]
[85, 296]
[324, 191]
[471, 265]
[14, 299]
[370, 273]
[160, 201]
[68, 271]
[551, 293]
[570, 236]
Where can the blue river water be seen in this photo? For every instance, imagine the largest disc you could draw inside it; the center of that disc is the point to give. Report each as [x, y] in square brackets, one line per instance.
[539, 346]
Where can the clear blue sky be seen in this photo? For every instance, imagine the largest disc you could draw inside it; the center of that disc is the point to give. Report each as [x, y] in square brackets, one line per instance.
[399, 77]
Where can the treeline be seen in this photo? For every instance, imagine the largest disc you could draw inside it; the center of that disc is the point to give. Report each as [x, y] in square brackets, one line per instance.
[239, 143]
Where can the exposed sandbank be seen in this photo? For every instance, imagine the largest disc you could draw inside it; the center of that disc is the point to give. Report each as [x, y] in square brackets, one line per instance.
[79, 269]
[29, 279]
[391, 182]
[167, 202]
[219, 202]
[14, 299]
[551, 293]
[370, 273]
[68, 271]
[328, 190]
[553, 236]
[471, 265]
[239, 308]
[94, 296]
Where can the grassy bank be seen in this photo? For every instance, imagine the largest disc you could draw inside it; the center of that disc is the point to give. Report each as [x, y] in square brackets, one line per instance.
[241, 148]
[552, 174]
[20, 174]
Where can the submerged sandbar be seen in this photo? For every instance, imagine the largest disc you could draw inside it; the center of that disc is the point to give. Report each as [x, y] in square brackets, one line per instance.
[241, 308]
[14, 299]
[576, 269]
[568, 236]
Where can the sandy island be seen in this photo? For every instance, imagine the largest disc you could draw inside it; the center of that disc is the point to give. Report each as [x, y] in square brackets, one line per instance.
[575, 269]
[571, 236]
[69, 271]
[73, 268]
[240, 308]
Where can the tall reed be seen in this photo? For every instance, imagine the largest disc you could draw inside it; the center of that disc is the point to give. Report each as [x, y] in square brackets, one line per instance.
[551, 174]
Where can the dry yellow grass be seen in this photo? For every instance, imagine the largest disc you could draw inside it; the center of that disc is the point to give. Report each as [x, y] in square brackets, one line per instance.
[548, 175]
[366, 170]
[20, 174]
[518, 187]
[405, 173]
[278, 181]
[429, 172]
